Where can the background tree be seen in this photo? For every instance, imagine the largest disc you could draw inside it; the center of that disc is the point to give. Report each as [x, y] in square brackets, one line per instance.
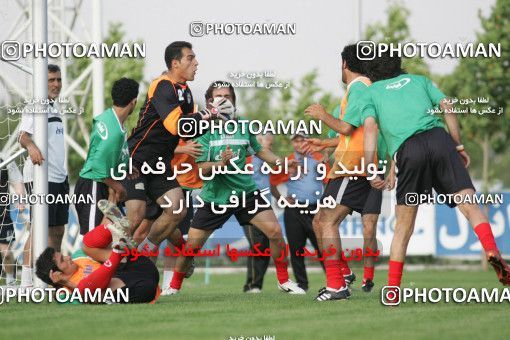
[486, 135]
[285, 104]
[483, 136]
[114, 68]
[396, 30]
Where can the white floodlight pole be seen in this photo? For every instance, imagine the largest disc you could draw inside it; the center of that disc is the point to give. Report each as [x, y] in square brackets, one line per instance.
[359, 29]
[97, 63]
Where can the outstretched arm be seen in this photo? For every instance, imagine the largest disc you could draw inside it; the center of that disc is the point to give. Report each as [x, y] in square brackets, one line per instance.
[226, 155]
[370, 147]
[312, 145]
[33, 151]
[317, 111]
[453, 127]
[269, 157]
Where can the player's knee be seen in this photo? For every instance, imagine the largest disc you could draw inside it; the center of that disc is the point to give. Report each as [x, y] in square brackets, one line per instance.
[86, 249]
[182, 214]
[56, 231]
[274, 232]
[174, 216]
[136, 217]
[369, 230]
[9, 258]
[316, 224]
[403, 234]
[140, 234]
[472, 212]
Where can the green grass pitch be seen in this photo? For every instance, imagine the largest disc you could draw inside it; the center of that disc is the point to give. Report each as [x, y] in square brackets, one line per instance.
[221, 311]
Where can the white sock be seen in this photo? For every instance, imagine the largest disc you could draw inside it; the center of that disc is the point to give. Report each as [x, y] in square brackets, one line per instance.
[151, 246]
[9, 278]
[26, 276]
[167, 278]
[336, 290]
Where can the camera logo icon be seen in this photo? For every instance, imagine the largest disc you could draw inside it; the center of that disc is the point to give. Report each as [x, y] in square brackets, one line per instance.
[187, 128]
[10, 50]
[365, 50]
[390, 295]
[411, 199]
[196, 29]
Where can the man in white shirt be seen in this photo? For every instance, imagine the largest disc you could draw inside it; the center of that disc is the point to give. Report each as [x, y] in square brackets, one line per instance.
[58, 213]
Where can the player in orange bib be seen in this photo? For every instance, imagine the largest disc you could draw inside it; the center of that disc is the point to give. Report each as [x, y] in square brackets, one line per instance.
[348, 184]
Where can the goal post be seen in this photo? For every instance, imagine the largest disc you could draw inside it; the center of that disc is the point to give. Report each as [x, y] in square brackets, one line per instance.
[40, 92]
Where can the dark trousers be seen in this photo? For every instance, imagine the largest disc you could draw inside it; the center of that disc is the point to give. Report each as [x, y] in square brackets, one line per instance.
[298, 228]
[256, 266]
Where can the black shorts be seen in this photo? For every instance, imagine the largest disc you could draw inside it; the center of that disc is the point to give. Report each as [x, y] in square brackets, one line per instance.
[153, 211]
[356, 194]
[141, 277]
[149, 186]
[374, 201]
[58, 213]
[89, 216]
[430, 160]
[206, 219]
[7, 234]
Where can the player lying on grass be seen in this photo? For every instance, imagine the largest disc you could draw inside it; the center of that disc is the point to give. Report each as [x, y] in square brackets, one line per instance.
[218, 150]
[103, 267]
[427, 157]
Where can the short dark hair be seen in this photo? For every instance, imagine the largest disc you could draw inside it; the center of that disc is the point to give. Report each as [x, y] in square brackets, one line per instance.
[44, 264]
[350, 56]
[383, 66]
[52, 68]
[217, 85]
[124, 91]
[174, 51]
